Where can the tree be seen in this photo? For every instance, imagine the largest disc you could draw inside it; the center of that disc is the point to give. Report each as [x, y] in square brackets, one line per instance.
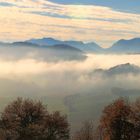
[86, 132]
[55, 127]
[136, 119]
[29, 120]
[116, 121]
[120, 121]
[2, 134]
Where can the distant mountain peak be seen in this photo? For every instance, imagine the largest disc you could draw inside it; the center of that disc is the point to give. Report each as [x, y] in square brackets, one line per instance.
[126, 46]
[126, 68]
[123, 65]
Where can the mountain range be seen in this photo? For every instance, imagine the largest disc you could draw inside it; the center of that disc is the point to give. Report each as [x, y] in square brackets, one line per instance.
[121, 46]
[86, 47]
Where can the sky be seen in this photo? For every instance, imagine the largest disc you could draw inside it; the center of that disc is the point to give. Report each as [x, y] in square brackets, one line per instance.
[101, 21]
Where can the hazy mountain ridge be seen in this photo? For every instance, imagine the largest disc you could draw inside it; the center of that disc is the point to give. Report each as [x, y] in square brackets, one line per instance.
[125, 92]
[126, 46]
[49, 53]
[65, 52]
[87, 47]
[119, 70]
[122, 46]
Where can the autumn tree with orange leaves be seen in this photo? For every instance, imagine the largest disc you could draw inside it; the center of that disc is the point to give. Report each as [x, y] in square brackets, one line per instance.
[118, 121]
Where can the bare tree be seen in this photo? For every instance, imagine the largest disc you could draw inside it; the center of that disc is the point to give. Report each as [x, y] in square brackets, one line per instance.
[86, 132]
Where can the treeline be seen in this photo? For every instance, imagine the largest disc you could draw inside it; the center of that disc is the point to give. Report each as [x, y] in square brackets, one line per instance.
[30, 120]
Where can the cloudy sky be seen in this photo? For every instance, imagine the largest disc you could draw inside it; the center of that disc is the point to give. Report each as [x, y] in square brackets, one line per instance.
[102, 21]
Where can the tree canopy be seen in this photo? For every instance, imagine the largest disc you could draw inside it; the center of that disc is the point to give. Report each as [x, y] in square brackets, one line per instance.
[30, 120]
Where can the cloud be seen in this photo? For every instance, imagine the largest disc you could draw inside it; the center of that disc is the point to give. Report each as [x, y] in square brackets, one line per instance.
[29, 76]
[35, 19]
[6, 4]
[119, 5]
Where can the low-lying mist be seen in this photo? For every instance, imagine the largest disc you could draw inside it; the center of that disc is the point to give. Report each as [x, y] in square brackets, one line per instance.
[31, 71]
[70, 86]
